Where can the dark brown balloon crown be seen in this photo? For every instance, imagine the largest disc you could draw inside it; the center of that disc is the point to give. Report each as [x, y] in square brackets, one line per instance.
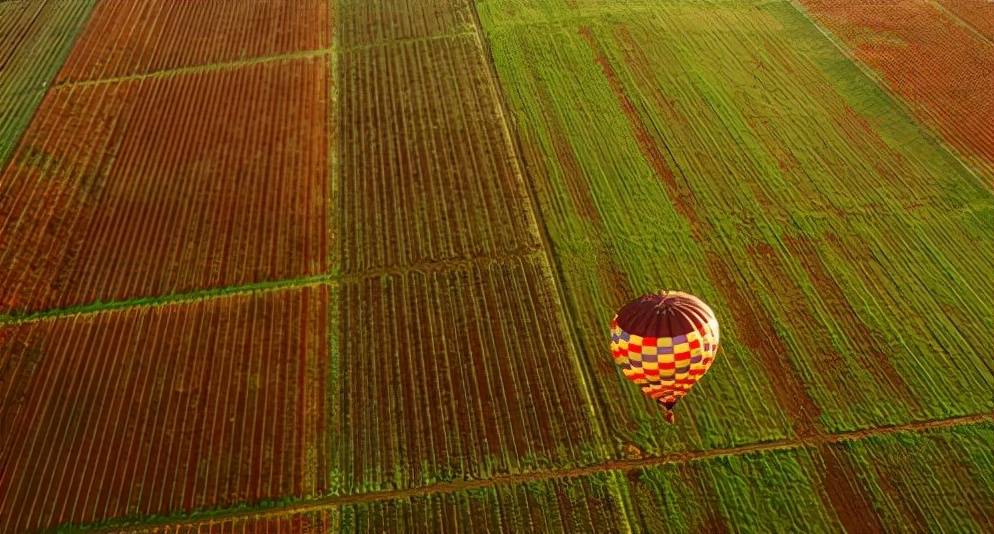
[664, 314]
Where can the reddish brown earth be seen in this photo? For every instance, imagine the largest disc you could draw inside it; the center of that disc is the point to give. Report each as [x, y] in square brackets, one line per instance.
[977, 14]
[167, 185]
[942, 66]
[126, 38]
[845, 492]
[163, 409]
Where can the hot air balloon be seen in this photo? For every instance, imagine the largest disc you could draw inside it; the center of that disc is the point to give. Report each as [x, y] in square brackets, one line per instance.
[665, 342]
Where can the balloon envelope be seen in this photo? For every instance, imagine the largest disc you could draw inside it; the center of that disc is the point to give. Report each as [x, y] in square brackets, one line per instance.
[665, 342]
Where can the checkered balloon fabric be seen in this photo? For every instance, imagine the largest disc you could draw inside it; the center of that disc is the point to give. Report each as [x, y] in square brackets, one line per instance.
[665, 344]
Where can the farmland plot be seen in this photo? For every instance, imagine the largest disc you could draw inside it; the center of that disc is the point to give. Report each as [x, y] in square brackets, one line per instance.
[371, 22]
[426, 171]
[163, 409]
[142, 188]
[937, 55]
[977, 14]
[455, 361]
[776, 490]
[859, 483]
[126, 38]
[320, 522]
[752, 164]
[588, 504]
[929, 481]
[937, 479]
[457, 247]
[35, 38]
[472, 379]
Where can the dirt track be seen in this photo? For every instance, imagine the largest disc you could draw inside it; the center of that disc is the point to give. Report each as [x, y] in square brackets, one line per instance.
[312, 505]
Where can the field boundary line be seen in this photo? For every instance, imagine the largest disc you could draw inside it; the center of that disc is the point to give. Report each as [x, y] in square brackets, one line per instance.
[960, 21]
[197, 69]
[13, 319]
[555, 269]
[317, 504]
[553, 266]
[913, 114]
[437, 266]
[455, 264]
[4, 161]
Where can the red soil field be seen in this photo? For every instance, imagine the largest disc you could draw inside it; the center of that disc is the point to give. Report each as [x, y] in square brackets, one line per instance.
[126, 37]
[315, 522]
[166, 185]
[978, 14]
[427, 173]
[163, 409]
[475, 377]
[938, 64]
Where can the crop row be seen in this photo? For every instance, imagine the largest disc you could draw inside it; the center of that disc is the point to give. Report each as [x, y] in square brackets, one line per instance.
[304, 523]
[455, 374]
[426, 172]
[741, 157]
[320, 522]
[165, 185]
[455, 361]
[372, 22]
[35, 38]
[126, 38]
[978, 14]
[908, 481]
[588, 504]
[157, 410]
[933, 480]
[933, 59]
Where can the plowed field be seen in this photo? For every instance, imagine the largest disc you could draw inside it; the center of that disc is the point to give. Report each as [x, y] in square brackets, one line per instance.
[343, 265]
[936, 55]
[149, 187]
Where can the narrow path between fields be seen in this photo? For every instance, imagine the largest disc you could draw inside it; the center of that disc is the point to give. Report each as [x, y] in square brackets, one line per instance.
[193, 69]
[569, 323]
[331, 501]
[17, 318]
[962, 22]
[240, 63]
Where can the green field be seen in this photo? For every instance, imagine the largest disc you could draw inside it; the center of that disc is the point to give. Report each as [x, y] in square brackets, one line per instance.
[35, 38]
[350, 265]
[759, 168]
